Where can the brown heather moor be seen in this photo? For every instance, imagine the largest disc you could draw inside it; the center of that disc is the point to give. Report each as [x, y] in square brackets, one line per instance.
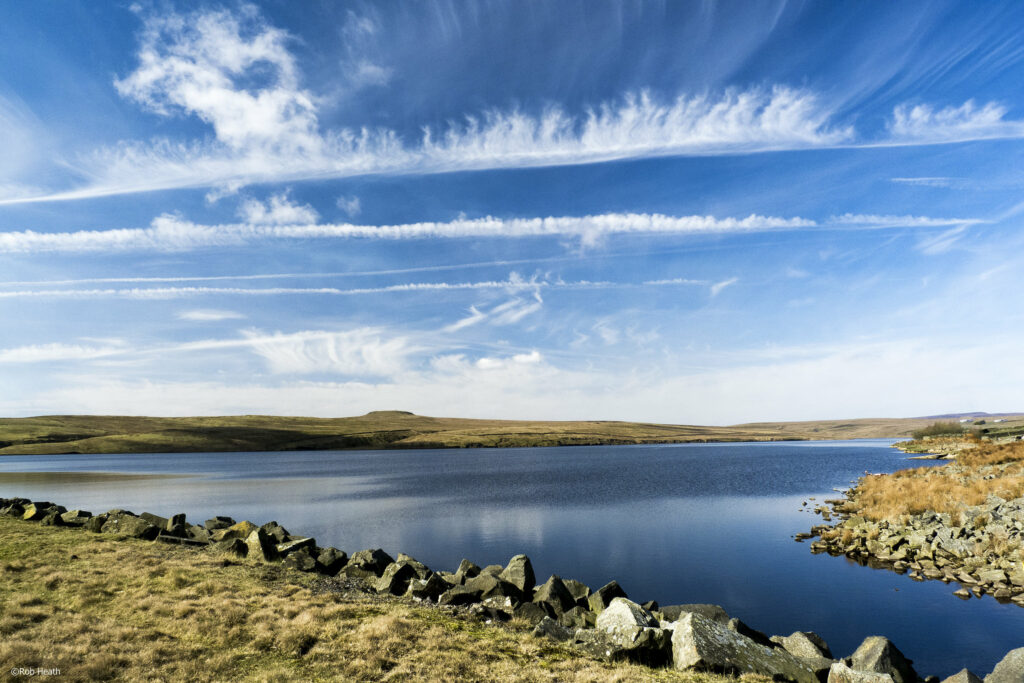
[979, 471]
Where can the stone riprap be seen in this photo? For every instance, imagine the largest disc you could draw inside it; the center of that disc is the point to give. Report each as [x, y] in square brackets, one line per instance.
[978, 548]
[604, 622]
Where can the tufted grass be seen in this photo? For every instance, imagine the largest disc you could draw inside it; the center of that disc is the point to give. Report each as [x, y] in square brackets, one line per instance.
[99, 608]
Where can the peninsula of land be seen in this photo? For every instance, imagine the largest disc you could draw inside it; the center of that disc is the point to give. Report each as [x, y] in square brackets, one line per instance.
[60, 434]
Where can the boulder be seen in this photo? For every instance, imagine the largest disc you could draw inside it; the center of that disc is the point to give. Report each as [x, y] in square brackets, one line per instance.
[127, 523]
[458, 595]
[396, 578]
[95, 524]
[805, 644]
[52, 518]
[712, 612]
[233, 546]
[579, 591]
[14, 510]
[601, 598]
[76, 517]
[840, 673]
[288, 547]
[218, 522]
[533, 612]
[241, 530]
[877, 654]
[301, 560]
[174, 521]
[422, 570]
[519, 572]
[554, 593]
[578, 617]
[650, 605]
[653, 646]
[261, 545]
[367, 564]
[428, 589]
[155, 520]
[962, 676]
[487, 585]
[276, 531]
[1010, 668]
[700, 644]
[752, 633]
[466, 570]
[331, 560]
[198, 533]
[623, 620]
[494, 569]
[36, 511]
[549, 628]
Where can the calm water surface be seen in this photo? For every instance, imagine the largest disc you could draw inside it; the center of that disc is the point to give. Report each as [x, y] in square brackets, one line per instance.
[674, 523]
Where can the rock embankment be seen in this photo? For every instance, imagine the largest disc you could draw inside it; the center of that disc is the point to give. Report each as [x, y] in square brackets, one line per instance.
[602, 622]
[978, 547]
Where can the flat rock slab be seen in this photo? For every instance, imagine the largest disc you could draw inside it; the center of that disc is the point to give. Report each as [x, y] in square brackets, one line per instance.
[840, 673]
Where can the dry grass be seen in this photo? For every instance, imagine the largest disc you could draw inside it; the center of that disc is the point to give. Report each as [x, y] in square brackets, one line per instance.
[944, 489]
[103, 608]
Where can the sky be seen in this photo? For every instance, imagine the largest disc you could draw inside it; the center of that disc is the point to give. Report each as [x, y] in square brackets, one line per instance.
[684, 212]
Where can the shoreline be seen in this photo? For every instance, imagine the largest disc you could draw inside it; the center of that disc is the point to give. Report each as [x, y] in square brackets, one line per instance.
[601, 623]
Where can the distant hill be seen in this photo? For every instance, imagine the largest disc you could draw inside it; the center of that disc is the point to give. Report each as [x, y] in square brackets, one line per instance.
[391, 429]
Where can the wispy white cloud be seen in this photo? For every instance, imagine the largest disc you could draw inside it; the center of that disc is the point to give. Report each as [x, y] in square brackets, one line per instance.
[937, 181]
[719, 286]
[279, 209]
[922, 123]
[174, 233]
[209, 315]
[876, 221]
[57, 352]
[349, 205]
[365, 351]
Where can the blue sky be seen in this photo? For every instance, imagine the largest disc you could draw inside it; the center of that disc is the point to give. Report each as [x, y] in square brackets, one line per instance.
[680, 212]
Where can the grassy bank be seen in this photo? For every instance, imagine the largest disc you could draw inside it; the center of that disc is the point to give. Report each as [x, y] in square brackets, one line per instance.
[982, 470]
[101, 607]
[387, 429]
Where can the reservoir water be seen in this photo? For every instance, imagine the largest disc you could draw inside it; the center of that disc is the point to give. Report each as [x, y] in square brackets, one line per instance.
[674, 523]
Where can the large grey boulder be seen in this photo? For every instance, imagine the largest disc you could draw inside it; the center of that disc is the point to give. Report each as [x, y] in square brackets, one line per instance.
[878, 654]
[579, 591]
[805, 644]
[652, 647]
[519, 572]
[963, 676]
[155, 520]
[288, 547]
[422, 570]
[488, 585]
[218, 522]
[1010, 668]
[367, 564]
[603, 596]
[623, 619]
[700, 644]
[533, 612]
[578, 617]
[466, 570]
[129, 524]
[712, 612]
[396, 578]
[301, 560]
[261, 545]
[549, 628]
[554, 592]
[95, 524]
[277, 532]
[76, 517]
[840, 673]
[331, 560]
[241, 531]
[430, 588]
[458, 595]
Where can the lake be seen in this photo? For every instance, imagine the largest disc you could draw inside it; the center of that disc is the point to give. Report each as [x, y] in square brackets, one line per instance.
[674, 523]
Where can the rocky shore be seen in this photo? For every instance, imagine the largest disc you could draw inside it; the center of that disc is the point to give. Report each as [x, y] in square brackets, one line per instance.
[601, 622]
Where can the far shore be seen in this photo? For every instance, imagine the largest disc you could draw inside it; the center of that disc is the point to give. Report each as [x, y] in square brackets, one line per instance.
[96, 434]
